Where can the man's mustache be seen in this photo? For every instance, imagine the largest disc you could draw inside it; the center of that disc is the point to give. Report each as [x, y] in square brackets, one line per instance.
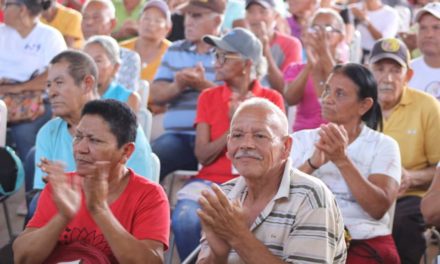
[248, 154]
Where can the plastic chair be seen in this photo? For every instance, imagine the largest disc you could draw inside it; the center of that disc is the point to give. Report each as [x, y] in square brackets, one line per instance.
[144, 92]
[156, 167]
[11, 179]
[145, 120]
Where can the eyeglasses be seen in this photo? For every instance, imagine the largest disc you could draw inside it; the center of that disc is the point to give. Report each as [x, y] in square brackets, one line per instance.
[325, 28]
[221, 57]
[6, 4]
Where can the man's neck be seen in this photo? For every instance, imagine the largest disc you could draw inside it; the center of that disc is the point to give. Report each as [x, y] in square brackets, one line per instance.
[432, 61]
[202, 47]
[265, 187]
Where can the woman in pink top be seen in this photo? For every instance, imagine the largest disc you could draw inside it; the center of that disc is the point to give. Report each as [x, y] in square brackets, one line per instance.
[325, 47]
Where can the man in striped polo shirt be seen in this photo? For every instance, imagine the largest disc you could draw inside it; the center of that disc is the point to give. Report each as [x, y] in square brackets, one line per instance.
[186, 69]
[272, 213]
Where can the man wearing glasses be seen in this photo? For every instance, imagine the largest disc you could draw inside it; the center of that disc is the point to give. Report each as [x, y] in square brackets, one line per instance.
[187, 68]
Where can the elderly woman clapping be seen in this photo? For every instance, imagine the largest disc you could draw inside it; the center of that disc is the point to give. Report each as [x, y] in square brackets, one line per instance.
[361, 166]
[105, 52]
[239, 63]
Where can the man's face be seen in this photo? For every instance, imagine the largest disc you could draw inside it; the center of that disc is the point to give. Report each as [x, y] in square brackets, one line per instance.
[256, 144]
[428, 37]
[153, 24]
[97, 20]
[65, 96]
[11, 11]
[256, 14]
[94, 141]
[198, 23]
[391, 78]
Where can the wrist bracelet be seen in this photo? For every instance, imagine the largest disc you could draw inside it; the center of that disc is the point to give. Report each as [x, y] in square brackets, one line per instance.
[311, 165]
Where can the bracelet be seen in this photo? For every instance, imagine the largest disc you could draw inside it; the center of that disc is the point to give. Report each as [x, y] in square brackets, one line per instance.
[311, 165]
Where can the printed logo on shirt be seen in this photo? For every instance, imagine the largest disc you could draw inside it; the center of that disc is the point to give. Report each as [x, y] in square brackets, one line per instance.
[411, 131]
[32, 48]
[433, 88]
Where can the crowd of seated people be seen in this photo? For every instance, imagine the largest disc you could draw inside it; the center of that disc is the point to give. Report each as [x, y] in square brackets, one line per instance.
[357, 82]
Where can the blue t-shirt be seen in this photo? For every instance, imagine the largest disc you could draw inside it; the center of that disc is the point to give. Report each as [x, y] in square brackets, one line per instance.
[54, 142]
[117, 92]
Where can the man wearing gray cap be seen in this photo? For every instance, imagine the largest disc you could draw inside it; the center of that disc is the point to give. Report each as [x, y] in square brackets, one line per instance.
[427, 67]
[239, 63]
[412, 118]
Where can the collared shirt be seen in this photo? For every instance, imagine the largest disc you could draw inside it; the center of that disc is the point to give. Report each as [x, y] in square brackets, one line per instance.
[415, 124]
[301, 223]
[182, 109]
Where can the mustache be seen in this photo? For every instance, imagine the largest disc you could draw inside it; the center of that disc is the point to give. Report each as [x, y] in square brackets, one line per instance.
[384, 86]
[248, 154]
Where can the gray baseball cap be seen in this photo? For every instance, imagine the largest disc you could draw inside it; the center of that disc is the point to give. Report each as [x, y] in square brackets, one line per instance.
[238, 40]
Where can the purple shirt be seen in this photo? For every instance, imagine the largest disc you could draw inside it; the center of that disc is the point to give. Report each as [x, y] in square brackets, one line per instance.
[295, 28]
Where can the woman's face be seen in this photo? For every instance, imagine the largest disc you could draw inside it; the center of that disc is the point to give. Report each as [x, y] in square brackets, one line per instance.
[333, 31]
[340, 100]
[153, 24]
[106, 69]
[228, 66]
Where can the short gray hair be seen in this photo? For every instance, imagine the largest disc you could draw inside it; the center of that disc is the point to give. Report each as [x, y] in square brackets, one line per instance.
[263, 103]
[108, 3]
[109, 45]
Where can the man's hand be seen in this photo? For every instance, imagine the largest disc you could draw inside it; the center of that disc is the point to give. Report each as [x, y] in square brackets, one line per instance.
[223, 220]
[191, 77]
[96, 186]
[261, 32]
[66, 195]
[405, 182]
[360, 14]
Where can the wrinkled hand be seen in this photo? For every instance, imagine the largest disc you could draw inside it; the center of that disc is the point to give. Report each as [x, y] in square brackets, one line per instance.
[66, 194]
[191, 77]
[96, 185]
[129, 28]
[261, 32]
[333, 142]
[405, 182]
[222, 220]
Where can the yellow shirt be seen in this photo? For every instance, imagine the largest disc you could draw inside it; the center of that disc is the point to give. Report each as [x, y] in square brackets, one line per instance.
[68, 22]
[415, 124]
[148, 70]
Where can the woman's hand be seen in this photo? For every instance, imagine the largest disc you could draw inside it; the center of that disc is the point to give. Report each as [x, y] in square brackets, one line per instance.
[333, 143]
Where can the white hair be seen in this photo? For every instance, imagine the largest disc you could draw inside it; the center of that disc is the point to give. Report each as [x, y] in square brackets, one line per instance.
[109, 45]
[108, 3]
[263, 103]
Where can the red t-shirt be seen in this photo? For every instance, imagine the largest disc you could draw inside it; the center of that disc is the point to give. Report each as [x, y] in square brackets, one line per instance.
[213, 109]
[142, 209]
[285, 50]
[1, 16]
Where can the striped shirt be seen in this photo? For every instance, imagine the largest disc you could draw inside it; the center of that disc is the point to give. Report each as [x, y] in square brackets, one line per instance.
[301, 224]
[182, 109]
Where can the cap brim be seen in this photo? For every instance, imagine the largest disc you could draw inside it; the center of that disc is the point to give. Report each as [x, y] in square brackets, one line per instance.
[219, 43]
[189, 7]
[394, 57]
[422, 11]
[261, 3]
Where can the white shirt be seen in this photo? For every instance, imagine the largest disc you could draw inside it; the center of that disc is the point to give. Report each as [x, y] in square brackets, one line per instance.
[21, 58]
[385, 19]
[425, 78]
[372, 153]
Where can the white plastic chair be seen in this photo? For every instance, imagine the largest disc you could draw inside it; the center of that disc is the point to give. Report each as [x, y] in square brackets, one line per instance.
[144, 92]
[156, 167]
[3, 122]
[145, 119]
